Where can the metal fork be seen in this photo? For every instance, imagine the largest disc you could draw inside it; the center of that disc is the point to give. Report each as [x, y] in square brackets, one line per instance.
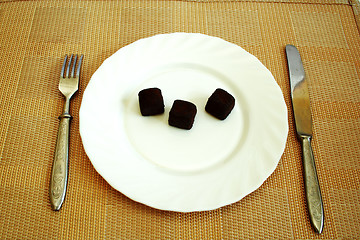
[68, 85]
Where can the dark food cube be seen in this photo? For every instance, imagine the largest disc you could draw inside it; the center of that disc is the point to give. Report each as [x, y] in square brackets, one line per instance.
[220, 104]
[182, 114]
[151, 102]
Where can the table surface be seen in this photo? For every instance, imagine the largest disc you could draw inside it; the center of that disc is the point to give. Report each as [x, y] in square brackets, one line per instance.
[35, 36]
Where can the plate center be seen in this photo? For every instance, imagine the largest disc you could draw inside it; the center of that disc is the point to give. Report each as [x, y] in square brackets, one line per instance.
[210, 141]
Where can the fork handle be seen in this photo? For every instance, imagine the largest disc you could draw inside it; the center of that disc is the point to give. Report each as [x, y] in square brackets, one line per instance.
[59, 173]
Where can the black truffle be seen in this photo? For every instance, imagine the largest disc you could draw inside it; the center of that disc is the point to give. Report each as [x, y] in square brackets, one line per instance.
[151, 101]
[182, 114]
[220, 104]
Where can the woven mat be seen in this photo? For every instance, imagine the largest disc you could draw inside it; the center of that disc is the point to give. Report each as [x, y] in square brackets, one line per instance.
[34, 37]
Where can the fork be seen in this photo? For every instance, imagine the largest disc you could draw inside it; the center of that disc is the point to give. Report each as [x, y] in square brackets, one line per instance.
[68, 85]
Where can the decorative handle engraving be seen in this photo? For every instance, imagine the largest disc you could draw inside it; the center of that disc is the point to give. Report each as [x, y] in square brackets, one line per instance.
[312, 187]
[59, 173]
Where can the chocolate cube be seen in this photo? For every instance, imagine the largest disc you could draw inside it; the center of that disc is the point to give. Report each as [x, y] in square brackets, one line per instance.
[182, 114]
[151, 101]
[220, 104]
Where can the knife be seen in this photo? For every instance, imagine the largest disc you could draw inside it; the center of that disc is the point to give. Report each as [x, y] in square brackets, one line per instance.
[302, 114]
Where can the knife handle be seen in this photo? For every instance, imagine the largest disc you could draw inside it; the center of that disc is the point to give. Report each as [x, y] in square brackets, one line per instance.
[312, 187]
[59, 173]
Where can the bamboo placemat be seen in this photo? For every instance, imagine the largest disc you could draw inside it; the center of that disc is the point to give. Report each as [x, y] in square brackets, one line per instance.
[35, 36]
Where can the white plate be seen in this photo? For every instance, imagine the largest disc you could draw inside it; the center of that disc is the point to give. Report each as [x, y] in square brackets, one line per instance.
[214, 164]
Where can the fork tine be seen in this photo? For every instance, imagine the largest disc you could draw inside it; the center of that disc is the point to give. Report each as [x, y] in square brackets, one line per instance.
[73, 67]
[79, 65]
[68, 67]
[63, 67]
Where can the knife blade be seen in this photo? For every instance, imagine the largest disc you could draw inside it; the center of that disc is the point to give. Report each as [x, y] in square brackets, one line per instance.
[303, 121]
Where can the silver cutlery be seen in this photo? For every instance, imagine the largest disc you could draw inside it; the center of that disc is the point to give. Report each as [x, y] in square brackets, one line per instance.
[68, 85]
[302, 114]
